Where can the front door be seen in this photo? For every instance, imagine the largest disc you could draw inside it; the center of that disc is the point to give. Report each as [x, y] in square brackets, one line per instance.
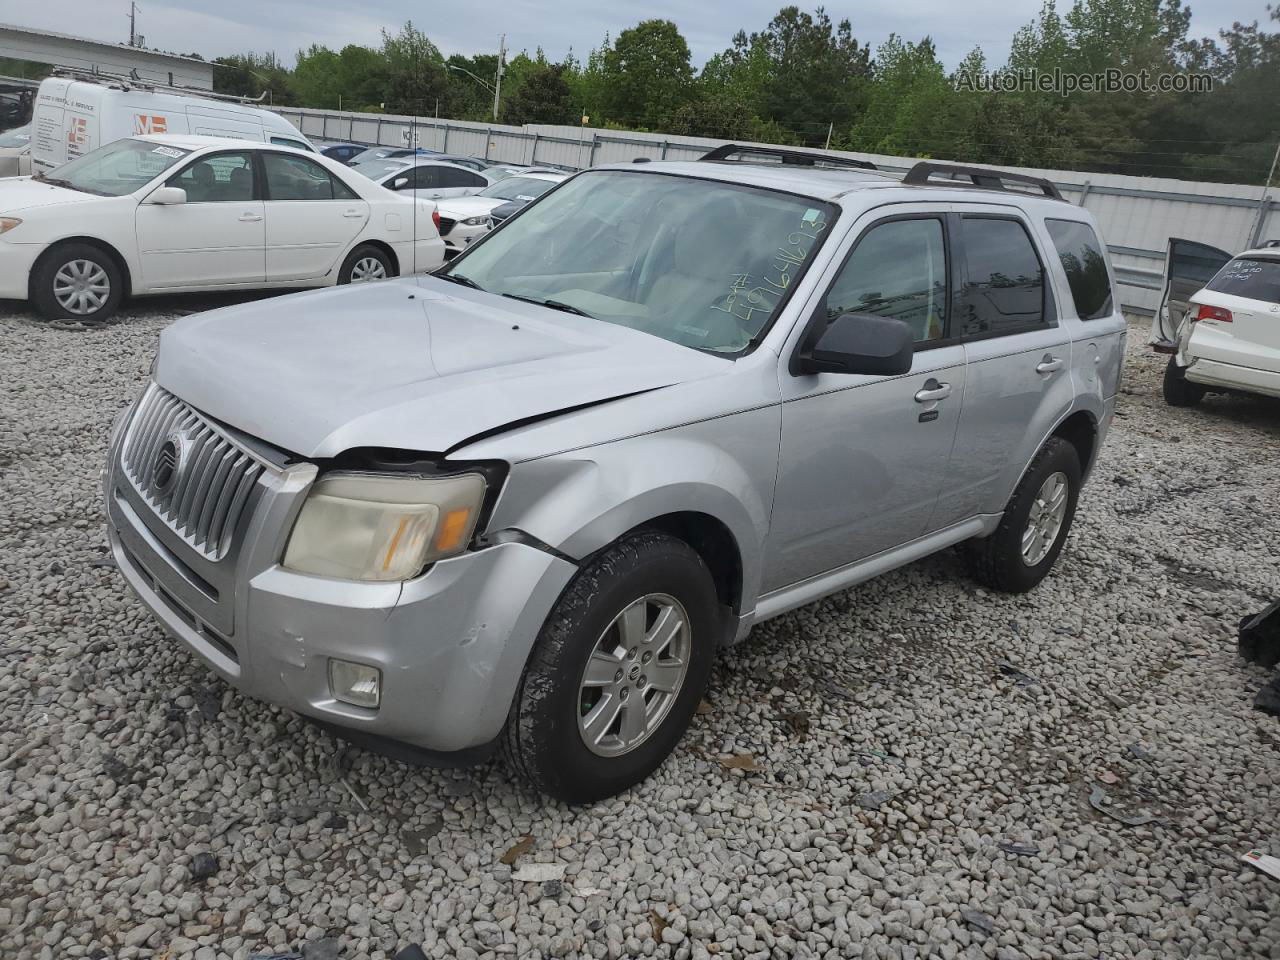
[1018, 358]
[312, 217]
[216, 237]
[863, 458]
[1188, 266]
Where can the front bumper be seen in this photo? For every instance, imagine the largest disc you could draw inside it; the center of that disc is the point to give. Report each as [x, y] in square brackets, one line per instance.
[451, 644]
[461, 237]
[1231, 376]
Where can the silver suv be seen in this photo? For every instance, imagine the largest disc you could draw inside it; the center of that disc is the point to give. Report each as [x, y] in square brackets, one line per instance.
[523, 502]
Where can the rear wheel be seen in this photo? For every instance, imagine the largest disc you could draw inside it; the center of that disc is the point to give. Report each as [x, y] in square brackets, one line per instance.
[1025, 546]
[366, 263]
[617, 672]
[1178, 390]
[77, 281]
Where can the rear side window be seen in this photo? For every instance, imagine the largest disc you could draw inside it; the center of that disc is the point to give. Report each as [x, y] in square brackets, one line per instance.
[450, 177]
[1247, 277]
[1004, 284]
[1086, 268]
[297, 178]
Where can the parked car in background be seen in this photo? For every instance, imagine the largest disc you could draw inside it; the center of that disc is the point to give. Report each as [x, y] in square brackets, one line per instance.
[431, 178]
[1219, 321]
[170, 214]
[463, 220]
[76, 115]
[371, 154]
[342, 152]
[527, 502]
[15, 152]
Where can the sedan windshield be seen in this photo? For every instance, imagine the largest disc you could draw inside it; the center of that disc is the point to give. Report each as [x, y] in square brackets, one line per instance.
[518, 188]
[700, 263]
[120, 167]
[17, 137]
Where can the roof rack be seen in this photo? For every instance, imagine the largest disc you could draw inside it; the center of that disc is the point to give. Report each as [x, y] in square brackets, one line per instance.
[798, 158]
[133, 80]
[981, 177]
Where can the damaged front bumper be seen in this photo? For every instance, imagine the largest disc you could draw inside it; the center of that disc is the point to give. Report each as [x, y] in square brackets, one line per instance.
[450, 645]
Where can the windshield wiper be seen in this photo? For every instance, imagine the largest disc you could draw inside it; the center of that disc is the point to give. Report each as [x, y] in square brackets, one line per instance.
[54, 181]
[460, 280]
[553, 304]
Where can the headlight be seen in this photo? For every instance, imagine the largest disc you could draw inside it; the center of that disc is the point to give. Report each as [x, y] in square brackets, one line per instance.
[380, 527]
[475, 221]
[8, 223]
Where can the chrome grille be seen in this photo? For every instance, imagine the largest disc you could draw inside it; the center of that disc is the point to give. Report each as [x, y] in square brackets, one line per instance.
[194, 477]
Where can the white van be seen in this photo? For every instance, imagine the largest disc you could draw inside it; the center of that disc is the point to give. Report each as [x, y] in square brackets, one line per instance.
[76, 115]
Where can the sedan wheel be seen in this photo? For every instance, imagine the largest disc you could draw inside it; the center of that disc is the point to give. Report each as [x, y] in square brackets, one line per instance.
[81, 287]
[368, 268]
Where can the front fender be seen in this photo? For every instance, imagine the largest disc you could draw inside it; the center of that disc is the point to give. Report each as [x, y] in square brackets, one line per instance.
[581, 501]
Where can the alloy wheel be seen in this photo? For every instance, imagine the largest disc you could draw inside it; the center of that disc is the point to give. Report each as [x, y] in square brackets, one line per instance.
[1045, 519]
[368, 268]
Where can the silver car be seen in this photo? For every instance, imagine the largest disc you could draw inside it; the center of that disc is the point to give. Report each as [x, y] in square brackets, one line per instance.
[522, 503]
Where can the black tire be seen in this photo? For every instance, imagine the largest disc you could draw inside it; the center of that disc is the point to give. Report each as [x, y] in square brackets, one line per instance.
[46, 274]
[365, 252]
[1178, 390]
[997, 560]
[542, 743]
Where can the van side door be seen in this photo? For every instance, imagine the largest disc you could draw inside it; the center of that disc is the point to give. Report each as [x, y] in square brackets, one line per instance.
[1018, 382]
[863, 458]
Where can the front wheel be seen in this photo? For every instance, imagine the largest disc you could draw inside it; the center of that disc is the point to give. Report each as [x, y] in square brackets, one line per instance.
[1178, 390]
[617, 672]
[76, 281]
[1024, 547]
[365, 263]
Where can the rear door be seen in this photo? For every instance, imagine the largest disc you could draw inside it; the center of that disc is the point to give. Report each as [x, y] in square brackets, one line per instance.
[1018, 359]
[312, 217]
[1188, 266]
[460, 183]
[1248, 290]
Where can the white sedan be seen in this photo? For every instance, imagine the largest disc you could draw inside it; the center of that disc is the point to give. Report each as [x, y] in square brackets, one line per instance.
[174, 214]
[428, 177]
[463, 220]
[1220, 321]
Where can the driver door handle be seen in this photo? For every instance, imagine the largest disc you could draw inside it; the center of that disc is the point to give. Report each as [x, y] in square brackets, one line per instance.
[353, 214]
[250, 217]
[1049, 364]
[933, 390]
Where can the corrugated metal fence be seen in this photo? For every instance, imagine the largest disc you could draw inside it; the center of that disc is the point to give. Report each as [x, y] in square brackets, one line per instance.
[1137, 215]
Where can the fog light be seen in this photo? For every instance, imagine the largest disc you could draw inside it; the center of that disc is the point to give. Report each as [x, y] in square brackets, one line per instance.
[355, 683]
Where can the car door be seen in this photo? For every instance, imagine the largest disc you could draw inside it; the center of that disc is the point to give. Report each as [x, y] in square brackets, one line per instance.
[312, 217]
[1018, 382]
[1188, 266]
[863, 458]
[216, 238]
[455, 182]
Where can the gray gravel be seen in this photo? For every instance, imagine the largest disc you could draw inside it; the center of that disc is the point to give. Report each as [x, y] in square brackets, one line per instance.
[914, 797]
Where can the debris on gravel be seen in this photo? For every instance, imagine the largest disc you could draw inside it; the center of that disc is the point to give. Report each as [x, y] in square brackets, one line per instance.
[124, 763]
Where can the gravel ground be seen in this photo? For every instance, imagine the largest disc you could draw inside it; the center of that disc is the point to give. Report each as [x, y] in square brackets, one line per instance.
[921, 753]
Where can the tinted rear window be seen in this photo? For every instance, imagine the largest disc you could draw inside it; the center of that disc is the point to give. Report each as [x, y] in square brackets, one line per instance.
[1085, 266]
[1004, 290]
[1245, 277]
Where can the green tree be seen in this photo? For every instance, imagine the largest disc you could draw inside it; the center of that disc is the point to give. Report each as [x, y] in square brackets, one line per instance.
[252, 74]
[417, 79]
[647, 75]
[541, 95]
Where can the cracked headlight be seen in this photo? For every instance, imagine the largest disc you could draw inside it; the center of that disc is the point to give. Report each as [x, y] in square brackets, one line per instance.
[379, 527]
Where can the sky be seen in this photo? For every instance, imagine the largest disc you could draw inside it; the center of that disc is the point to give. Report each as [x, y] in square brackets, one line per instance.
[285, 26]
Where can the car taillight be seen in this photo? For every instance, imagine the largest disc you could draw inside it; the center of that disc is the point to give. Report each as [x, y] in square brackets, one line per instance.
[435, 218]
[1207, 312]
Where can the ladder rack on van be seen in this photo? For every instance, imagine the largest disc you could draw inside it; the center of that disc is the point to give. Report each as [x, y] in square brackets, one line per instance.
[133, 81]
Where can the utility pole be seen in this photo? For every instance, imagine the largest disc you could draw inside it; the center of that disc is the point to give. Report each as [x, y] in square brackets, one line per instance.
[133, 24]
[1260, 224]
[497, 85]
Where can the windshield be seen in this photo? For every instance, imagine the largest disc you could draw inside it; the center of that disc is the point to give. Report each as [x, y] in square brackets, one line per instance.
[120, 167]
[17, 137]
[517, 188]
[699, 263]
[375, 169]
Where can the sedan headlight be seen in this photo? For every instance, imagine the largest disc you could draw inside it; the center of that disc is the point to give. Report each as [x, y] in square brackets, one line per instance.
[380, 527]
[475, 221]
[8, 223]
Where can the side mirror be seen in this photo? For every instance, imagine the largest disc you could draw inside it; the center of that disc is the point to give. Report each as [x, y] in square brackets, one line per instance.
[860, 343]
[167, 196]
[399, 183]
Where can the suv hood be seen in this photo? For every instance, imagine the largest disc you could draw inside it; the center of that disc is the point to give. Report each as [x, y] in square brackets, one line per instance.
[413, 364]
[22, 193]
